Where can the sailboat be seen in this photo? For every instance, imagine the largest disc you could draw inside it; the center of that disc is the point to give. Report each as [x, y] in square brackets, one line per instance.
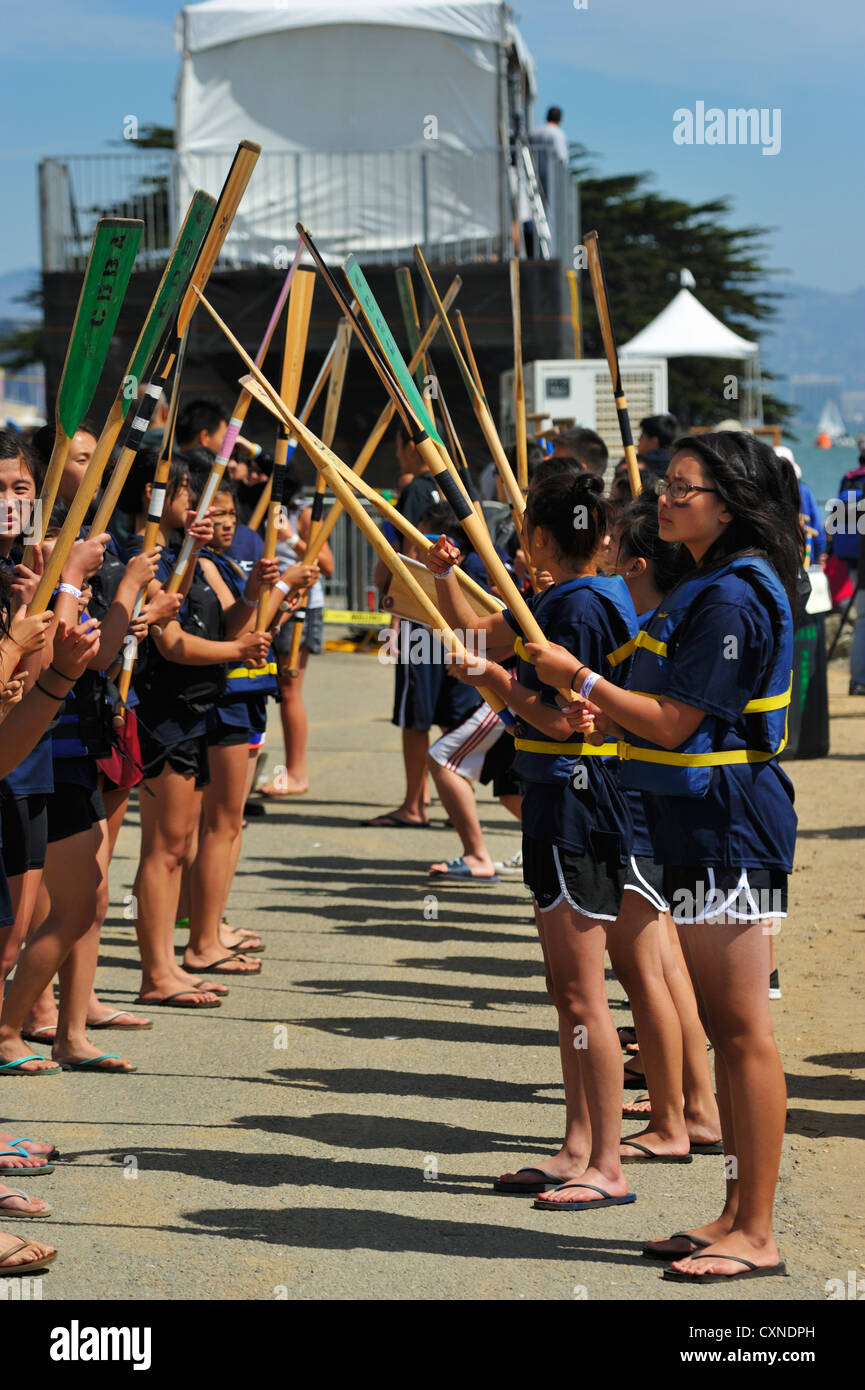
[831, 428]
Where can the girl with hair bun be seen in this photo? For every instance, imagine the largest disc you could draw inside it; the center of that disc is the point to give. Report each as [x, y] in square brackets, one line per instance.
[575, 821]
[701, 725]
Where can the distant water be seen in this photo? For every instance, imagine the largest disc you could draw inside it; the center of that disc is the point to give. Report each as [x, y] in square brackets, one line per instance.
[823, 469]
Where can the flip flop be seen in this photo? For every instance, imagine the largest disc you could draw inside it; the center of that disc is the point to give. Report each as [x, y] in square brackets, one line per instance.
[213, 969]
[605, 1201]
[182, 994]
[715, 1148]
[39, 1263]
[634, 1080]
[677, 1235]
[126, 1027]
[35, 1034]
[649, 1156]
[16, 1068]
[91, 1064]
[392, 821]
[527, 1189]
[459, 869]
[12, 1215]
[22, 1140]
[31, 1172]
[631, 1114]
[751, 1271]
[631, 1035]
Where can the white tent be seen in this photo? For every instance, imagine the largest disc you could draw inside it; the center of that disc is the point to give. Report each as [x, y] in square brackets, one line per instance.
[687, 329]
[381, 121]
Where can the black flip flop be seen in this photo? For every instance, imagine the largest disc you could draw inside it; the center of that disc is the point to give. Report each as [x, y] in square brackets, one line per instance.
[392, 821]
[223, 960]
[698, 1244]
[751, 1271]
[527, 1189]
[605, 1201]
[181, 994]
[649, 1156]
[631, 1032]
[714, 1148]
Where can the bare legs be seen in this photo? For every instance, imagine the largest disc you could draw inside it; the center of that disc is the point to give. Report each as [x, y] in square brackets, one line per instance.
[295, 727]
[222, 814]
[458, 799]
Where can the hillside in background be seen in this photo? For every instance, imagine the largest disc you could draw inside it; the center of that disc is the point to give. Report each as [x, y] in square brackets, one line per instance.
[818, 331]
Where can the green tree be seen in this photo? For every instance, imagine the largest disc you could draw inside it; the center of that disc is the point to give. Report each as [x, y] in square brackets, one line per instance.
[646, 240]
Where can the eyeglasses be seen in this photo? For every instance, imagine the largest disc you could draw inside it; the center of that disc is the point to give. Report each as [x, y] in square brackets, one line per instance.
[677, 488]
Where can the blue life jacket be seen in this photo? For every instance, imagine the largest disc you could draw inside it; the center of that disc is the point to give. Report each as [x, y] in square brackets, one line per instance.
[539, 758]
[243, 680]
[761, 733]
[851, 495]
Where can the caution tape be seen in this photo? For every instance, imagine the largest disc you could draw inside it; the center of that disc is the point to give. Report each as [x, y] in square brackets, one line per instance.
[356, 619]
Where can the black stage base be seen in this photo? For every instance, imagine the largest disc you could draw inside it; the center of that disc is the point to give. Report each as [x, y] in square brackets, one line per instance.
[245, 300]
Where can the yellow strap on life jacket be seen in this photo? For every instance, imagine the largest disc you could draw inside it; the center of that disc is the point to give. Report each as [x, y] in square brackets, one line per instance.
[520, 650]
[642, 639]
[251, 673]
[628, 751]
[568, 750]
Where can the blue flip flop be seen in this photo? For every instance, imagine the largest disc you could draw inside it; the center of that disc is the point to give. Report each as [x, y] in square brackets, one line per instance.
[458, 869]
[16, 1068]
[22, 1140]
[606, 1199]
[527, 1189]
[90, 1064]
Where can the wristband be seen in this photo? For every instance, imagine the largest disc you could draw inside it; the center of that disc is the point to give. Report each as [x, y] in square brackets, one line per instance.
[282, 587]
[62, 674]
[69, 589]
[58, 698]
[576, 674]
[250, 602]
[444, 573]
[586, 688]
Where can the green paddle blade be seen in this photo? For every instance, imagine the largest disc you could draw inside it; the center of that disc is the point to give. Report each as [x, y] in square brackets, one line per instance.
[174, 280]
[109, 266]
[407, 304]
[377, 322]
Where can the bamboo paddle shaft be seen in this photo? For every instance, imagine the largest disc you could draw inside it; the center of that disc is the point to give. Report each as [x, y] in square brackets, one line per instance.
[602, 305]
[389, 512]
[331, 413]
[315, 391]
[519, 385]
[381, 425]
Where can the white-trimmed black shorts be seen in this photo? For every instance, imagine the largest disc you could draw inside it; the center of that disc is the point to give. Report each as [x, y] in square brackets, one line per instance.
[707, 893]
[592, 885]
[645, 877]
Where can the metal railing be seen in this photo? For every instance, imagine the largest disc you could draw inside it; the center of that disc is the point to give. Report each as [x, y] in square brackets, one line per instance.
[457, 204]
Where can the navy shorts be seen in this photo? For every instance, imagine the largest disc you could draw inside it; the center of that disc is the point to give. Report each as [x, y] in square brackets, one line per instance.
[427, 694]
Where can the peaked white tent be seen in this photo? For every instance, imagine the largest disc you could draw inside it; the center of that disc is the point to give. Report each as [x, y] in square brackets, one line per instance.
[686, 328]
[380, 121]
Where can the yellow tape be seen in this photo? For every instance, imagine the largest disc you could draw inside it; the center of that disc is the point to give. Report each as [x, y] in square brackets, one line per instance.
[358, 619]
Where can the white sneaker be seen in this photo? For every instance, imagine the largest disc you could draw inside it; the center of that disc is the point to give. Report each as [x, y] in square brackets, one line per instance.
[510, 868]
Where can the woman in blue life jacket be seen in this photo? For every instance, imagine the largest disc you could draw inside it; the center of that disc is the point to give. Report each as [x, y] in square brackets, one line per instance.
[236, 726]
[643, 945]
[179, 684]
[701, 724]
[575, 822]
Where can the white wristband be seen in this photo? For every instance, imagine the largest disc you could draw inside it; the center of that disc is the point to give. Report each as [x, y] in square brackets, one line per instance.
[444, 574]
[282, 587]
[588, 683]
[69, 589]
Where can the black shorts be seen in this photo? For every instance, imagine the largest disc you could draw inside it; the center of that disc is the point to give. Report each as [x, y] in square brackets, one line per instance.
[707, 893]
[498, 768]
[25, 832]
[591, 885]
[223, 734]
[73, 809]
[645, 877]
[188, 756]
[426, 693]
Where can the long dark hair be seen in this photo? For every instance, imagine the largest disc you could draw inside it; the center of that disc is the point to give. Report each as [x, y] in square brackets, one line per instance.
[761, 492]
[141, 473]
[553, 502]
[637, 531]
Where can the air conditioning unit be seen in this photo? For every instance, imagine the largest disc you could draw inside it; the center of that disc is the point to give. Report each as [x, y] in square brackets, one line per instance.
[581, 391]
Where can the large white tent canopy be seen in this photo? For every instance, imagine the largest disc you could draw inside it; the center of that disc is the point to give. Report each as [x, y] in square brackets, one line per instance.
[380, 121]
[687, 329]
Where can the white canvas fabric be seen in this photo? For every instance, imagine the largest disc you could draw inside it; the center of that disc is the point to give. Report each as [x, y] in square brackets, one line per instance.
[687, 329]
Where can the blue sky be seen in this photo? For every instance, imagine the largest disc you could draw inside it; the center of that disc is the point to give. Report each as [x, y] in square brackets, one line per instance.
[619, 68]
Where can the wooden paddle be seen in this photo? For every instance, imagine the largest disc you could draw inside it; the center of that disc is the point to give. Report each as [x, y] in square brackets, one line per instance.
[519, 386]
[109, 266]
[602, 305]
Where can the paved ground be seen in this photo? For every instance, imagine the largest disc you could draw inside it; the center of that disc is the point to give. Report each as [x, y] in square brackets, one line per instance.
[331, 1131]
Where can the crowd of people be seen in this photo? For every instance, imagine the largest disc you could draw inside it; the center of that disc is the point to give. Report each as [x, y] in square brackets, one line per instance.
[637, 749]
